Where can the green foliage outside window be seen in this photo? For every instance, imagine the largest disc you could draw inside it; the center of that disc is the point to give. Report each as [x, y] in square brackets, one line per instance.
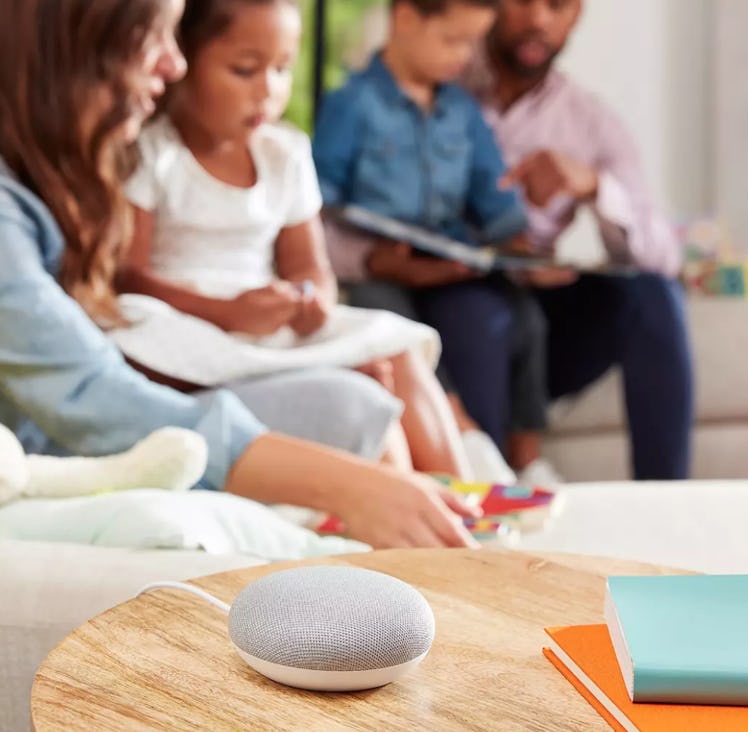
[346, 30]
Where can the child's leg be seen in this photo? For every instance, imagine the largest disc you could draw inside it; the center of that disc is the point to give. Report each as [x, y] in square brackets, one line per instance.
[487, 358]
[483, 457]
[396, 450]
[474, 320]
[432, 432]
[529, 395]
[529, 385]
[486, 461]
[465, 422]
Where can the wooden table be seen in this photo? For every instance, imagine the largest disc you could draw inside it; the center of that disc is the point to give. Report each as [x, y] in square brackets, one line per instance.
[163, 661]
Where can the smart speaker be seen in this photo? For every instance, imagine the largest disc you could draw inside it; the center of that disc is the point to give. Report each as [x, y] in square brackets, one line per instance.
[331, 628]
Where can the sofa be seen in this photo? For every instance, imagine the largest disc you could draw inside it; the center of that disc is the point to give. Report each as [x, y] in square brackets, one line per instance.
[588, 442]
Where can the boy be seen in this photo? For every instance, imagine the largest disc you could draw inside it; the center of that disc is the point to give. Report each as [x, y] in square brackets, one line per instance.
[402, 140]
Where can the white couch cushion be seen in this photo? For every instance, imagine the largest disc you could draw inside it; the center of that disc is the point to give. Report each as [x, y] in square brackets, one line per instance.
[693, 525]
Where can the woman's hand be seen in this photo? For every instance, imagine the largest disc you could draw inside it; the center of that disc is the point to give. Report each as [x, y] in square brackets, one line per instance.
[262, 312]
[381, 506]
[396, 510]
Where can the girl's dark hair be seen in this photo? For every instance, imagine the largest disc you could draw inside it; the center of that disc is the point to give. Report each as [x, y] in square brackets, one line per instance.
[204, 20]
[62, 136]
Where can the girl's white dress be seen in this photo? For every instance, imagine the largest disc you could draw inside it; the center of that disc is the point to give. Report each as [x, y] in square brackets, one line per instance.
[219, 240]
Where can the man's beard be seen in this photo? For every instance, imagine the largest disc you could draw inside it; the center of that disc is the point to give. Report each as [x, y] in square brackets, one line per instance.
[507, 55]
[510, 60]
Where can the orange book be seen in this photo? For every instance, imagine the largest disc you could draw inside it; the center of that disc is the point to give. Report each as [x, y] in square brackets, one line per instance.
[584, 655]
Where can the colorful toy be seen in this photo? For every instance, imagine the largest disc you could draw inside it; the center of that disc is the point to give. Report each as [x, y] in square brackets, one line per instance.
[709, 277]
[713, 265]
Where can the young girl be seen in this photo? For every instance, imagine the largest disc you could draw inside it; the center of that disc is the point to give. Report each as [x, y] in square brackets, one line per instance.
[64, 387]
[227, 217]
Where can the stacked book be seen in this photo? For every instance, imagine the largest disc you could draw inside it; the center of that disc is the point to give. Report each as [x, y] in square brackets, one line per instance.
[673, 654]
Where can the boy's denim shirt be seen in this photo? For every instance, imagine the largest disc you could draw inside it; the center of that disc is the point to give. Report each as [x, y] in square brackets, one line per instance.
[376, 148]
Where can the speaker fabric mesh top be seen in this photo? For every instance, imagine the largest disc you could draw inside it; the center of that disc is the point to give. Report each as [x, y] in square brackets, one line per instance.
[332, 619]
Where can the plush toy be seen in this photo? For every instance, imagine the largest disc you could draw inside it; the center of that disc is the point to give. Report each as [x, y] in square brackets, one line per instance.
[171, 459]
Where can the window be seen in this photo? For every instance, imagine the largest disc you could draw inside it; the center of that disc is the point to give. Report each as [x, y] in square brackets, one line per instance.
[352, 30]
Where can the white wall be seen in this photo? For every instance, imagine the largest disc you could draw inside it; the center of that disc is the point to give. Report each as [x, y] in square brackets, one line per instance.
[731, 127]
[650, 59]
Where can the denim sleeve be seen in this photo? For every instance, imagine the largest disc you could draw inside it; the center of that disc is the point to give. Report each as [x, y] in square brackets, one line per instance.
[498, 215]
[59, 370]
[336, 142]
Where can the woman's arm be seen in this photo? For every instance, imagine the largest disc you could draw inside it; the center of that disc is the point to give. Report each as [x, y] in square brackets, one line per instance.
[380, 506]
[59, 370]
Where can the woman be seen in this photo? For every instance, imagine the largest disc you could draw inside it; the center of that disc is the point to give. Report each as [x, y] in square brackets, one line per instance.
[77, 80]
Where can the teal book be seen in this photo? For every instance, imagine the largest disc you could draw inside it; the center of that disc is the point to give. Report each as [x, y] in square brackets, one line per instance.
[681, 640]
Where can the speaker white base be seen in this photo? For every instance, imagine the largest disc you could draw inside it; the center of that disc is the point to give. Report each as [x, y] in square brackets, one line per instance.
[329, 680]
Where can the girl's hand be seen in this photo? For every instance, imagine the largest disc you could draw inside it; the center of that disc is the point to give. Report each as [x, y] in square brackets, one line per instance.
[264, 311]
[396, 510]
[314, 310]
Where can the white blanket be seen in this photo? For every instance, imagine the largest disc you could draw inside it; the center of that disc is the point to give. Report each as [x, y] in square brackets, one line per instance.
[217, 523]
[193, 350]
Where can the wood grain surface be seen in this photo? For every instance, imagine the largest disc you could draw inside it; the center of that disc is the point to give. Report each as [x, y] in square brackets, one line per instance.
[164, 661]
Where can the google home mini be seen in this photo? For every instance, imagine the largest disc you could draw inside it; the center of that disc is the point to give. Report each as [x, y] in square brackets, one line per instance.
[331, 628]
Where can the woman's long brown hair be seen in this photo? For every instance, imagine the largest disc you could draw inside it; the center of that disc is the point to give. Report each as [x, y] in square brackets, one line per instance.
[64, 99]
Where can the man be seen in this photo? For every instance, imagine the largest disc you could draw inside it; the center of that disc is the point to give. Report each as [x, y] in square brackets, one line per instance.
[566, 151]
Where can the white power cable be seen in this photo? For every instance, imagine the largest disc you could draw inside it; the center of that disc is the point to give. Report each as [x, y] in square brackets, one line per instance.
[186, 588]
